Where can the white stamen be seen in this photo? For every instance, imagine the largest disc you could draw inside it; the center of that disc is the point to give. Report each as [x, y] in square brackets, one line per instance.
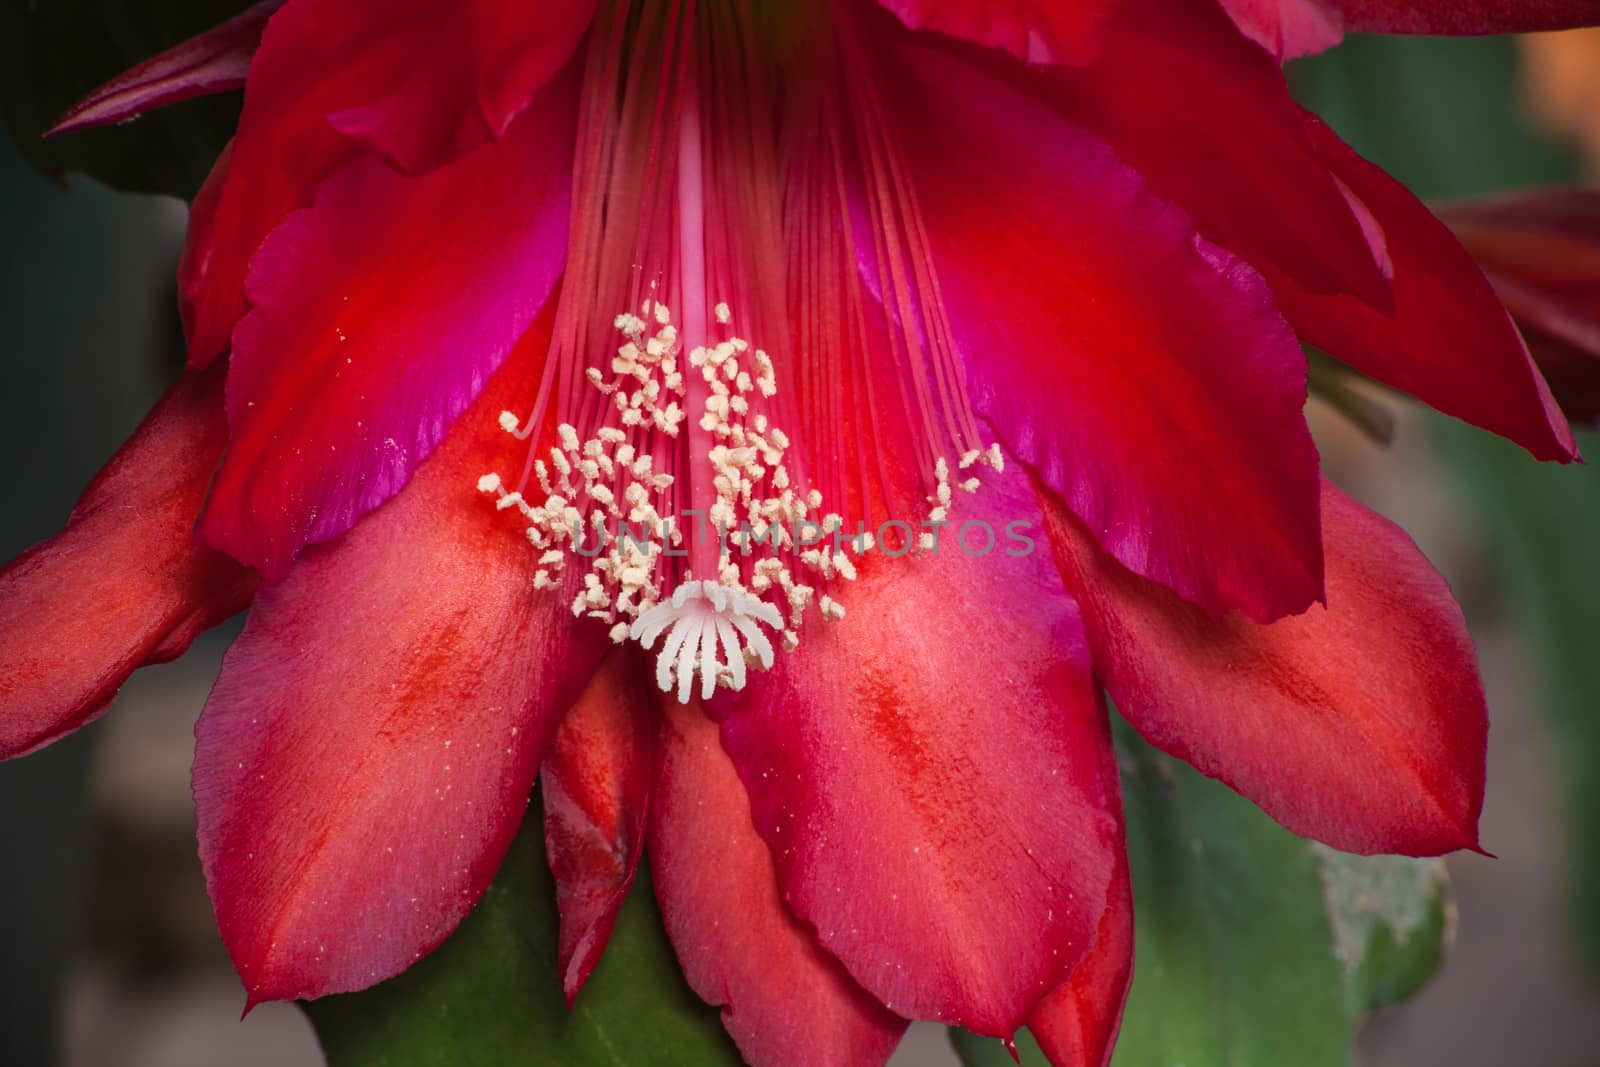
[715, 627]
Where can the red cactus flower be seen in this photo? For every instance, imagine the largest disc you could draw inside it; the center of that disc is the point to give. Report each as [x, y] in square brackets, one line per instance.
[973, 330]
[1541, 251]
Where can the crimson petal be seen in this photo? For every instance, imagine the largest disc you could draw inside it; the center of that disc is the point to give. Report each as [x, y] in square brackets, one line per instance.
[124, 584]
[930, 776]
[596, 788]
[784, 999]
[212, 62]
[1449, 343]
[1077, 1024]
[1467, 16]
[368, 751]
[1253, 179]
[518, 49]
[1054, 31]
[1289, 28]
[400, 76]
[1143, 371]
[1541, 251]
[380, 312]
[1361, 724]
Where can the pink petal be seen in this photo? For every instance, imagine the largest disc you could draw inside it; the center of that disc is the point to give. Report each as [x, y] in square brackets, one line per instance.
[596, 786]
[1468, 16]
[398, 74]
[784, 999]
[380, 312]
[1035, 31]
[930, 774]
[1206, 117]
[1142, 370]
[1449, 342]
[367, 754]
[1289, 28]
[124, 584]
[214, 61]
[1076, 1024]
[1361, 724]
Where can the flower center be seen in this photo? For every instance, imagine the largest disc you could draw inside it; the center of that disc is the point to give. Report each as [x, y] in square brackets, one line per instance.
[698, 521]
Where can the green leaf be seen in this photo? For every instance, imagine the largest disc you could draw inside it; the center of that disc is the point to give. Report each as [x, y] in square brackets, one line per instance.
[1234, 963]
[1542, 522]
[491, 994]
[1391, 918]
[1253, 947]
[52, 52]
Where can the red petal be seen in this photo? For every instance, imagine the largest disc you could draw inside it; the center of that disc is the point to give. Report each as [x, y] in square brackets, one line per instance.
[785, 1001]
[214, 61]
[380, 312]
[480, 64]
[1077, 1024]
[1573, 374]
[1468, 16]
[199, 244]
[1361, 724]
[1206, 117]
[1541, 249]
[124, 584]
[1051, 31]
[1289, 28]
[518, 48]
[1449, 342]
[596, 786]
[368, 751]
[930, 775]
[398, 74]
[1142, 371]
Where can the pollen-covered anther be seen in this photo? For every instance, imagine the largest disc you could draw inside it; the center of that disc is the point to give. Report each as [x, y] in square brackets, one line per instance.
[604, 501]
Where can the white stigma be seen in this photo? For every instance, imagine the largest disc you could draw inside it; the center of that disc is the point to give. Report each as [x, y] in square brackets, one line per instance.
[697, 618]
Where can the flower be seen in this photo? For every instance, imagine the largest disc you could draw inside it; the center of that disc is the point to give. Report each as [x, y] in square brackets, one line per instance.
[1541, 251]
[494, 281]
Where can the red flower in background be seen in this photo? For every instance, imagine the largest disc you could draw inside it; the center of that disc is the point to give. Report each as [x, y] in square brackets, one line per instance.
[1035, 268]
[1541, 251]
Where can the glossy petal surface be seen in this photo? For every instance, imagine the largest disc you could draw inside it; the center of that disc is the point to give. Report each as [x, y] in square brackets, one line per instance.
[1206, 118]
[1143, 371]
[1035, 31]
[784, 999]
[1449, 343]
[367, 753]
[596, 786]
[123, 584]
[1077, 1023]
[379, 314]
[1361, 724]
[930, 775]
[1289, 28]
[332, 79]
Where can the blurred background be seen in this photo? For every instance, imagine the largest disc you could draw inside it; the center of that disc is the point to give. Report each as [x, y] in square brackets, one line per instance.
[108, 955]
